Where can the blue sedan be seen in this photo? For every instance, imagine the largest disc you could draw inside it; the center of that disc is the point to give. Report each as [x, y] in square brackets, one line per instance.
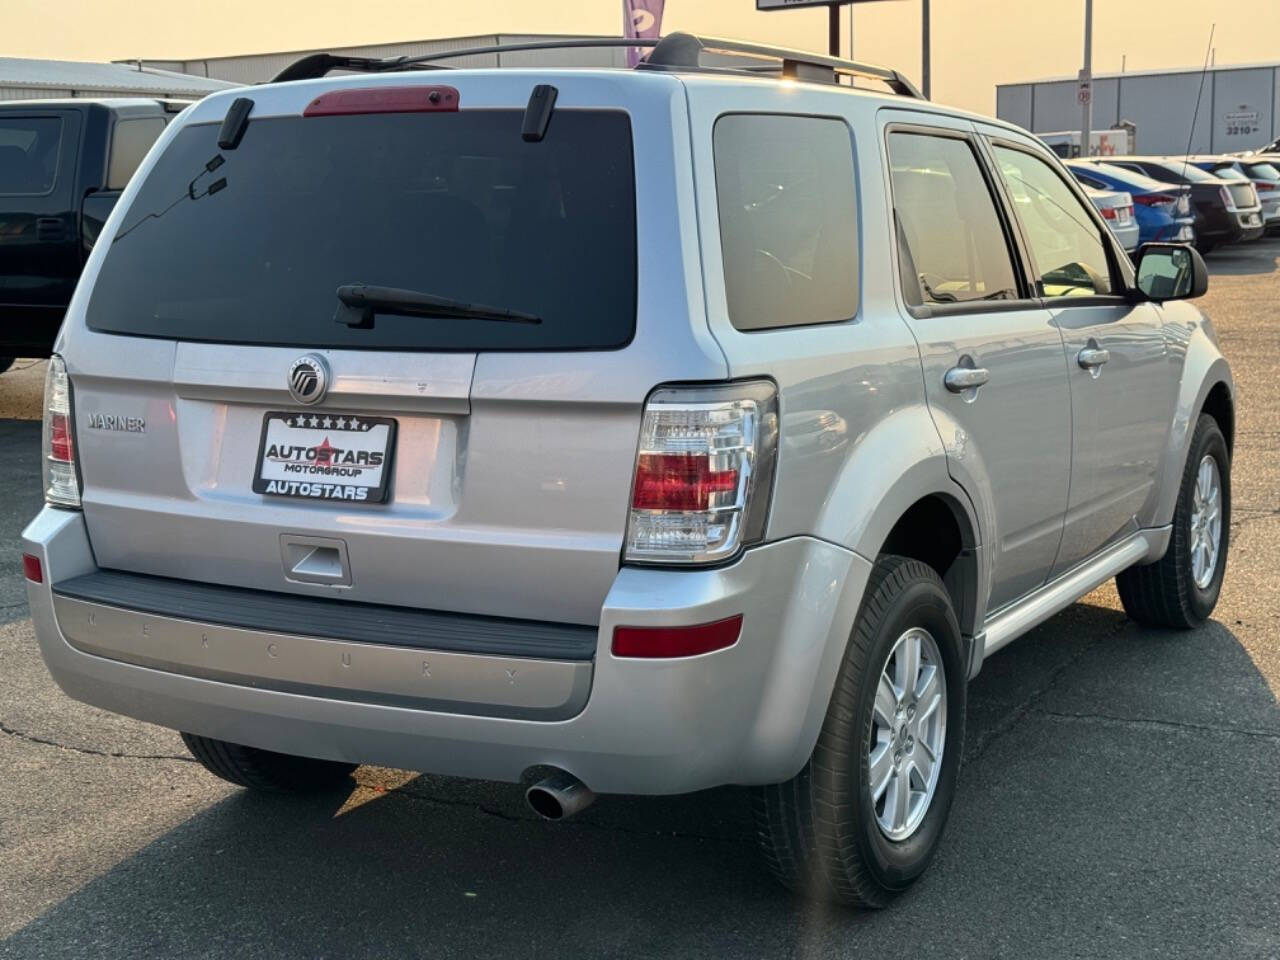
[1163, 210]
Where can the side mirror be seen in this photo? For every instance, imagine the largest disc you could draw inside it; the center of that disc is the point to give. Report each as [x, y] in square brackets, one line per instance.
[1171, 271]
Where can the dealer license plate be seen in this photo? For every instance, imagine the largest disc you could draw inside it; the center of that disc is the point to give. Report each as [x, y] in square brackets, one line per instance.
[325, 456]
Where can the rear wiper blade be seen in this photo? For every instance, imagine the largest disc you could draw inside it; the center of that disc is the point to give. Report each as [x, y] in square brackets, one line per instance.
[361, 302]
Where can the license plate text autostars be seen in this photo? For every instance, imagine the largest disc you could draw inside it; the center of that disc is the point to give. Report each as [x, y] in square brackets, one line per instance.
[324, 456]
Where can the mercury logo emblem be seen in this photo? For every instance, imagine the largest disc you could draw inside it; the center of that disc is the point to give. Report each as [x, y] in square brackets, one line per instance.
[309, 378]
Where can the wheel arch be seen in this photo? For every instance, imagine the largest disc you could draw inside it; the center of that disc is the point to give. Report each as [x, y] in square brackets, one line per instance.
[1206, 387]
[896, 495]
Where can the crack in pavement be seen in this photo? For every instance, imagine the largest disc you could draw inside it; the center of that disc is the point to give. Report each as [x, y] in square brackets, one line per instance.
[32, 738]
[1149, 723]
[1012, 718]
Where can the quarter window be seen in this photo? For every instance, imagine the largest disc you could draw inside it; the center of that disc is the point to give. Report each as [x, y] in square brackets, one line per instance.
[1069, 250]
[130, 142]
[29, 154]
[951, 244]
[788, 219]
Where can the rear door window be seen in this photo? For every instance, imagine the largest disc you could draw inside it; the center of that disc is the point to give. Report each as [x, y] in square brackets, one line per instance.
[29, 149]
[456, 205]
[951, 243]
[788, 219]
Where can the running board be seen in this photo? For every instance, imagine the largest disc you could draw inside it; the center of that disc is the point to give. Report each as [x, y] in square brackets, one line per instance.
[1145, 546]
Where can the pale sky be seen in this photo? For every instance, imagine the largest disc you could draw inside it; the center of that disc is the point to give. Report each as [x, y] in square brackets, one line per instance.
[976, 43]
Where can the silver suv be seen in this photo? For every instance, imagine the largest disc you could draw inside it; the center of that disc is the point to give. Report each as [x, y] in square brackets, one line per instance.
[631, 431]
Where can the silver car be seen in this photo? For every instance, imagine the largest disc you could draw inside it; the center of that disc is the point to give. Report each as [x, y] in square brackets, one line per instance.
[623, 431]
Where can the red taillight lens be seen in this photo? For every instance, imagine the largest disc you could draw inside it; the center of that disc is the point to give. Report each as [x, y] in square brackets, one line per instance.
[61, 481]
[31, 568]
[1264, 185]
[659, 642]
[61, 446]
[1153, 199]
[437, 99]
[679, 481]
[1108, 213]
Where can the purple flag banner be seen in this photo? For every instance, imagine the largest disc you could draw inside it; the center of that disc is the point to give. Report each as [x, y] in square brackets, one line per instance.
[641, 18]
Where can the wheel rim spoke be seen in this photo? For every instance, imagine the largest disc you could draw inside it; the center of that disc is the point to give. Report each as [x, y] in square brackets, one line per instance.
[881, 770]
[886, 702]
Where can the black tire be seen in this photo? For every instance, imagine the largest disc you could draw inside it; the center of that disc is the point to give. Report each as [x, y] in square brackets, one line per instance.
[818, 831]
[1205, 247]
[1164, 593]
[264, 770]
[5, 363]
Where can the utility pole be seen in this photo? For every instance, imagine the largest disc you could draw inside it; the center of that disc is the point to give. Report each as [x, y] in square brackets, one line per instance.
[1085, 92]
[926, 72]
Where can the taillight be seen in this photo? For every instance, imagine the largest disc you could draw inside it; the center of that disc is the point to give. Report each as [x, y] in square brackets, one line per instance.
[61, 485]
[1226, 198]
[1154, 199]
[1108, 213]
[704, 472]
[1261, 185]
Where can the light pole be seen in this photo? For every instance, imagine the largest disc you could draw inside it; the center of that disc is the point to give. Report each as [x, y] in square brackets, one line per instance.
[1085, 94]
[925, 68]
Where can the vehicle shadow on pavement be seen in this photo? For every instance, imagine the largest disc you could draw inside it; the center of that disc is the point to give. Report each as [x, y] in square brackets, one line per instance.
[1091, 813]
[1248, 259]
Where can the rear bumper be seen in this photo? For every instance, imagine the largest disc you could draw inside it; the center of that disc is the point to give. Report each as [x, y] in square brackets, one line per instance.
[746, 714]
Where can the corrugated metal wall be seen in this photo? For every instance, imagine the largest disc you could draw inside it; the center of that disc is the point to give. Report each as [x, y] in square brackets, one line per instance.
[1238, 108]
[257, 68]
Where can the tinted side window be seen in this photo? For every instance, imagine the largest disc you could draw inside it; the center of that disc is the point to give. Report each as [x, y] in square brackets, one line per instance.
[788, 219]
[952, 245]
[29, 154]
[1069, 251]
[129, 144]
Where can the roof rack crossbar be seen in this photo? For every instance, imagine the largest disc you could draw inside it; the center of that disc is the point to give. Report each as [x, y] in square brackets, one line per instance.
[674, 52]
[683, 51]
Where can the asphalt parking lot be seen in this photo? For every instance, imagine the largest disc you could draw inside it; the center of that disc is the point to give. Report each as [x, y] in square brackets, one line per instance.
[1120, 798]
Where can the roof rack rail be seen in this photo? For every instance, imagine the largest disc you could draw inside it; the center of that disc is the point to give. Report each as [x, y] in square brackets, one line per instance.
[318, 64]
[683, 51]
[675, 52]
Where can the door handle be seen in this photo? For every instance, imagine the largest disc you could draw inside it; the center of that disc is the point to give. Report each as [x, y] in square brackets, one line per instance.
[960, 379]
[1091, 357]
[50, 230]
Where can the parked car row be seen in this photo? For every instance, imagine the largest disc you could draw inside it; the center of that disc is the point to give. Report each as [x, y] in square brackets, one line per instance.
[1208, 200]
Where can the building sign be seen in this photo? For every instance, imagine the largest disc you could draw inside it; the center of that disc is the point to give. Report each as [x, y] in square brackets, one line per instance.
[1242, 122]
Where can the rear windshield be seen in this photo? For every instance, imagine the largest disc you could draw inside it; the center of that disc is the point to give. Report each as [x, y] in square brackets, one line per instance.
[1228, 172]
[1188, 172]
[1129, 177]
[456, 205]
[1263, 171]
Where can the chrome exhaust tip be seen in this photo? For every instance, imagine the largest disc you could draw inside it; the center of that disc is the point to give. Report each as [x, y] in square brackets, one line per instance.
[559, 796]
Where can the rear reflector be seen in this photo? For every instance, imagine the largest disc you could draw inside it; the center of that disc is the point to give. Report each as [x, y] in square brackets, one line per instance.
[656, 642]
[383, 100]
[31, 568]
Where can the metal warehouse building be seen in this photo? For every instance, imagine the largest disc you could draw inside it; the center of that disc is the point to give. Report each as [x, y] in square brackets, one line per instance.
[260, 67]
[22, 79]
[1237, 107]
